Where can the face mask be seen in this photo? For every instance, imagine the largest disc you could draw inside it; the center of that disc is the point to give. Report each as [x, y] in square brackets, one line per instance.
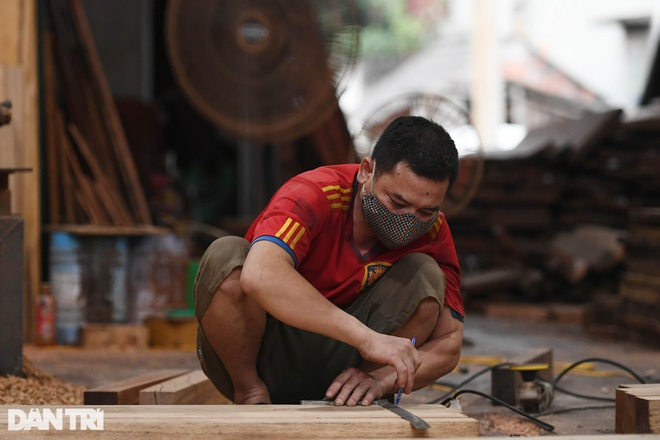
[393, 230]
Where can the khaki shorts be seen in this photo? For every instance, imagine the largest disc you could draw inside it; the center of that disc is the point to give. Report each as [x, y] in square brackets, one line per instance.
[299, 365]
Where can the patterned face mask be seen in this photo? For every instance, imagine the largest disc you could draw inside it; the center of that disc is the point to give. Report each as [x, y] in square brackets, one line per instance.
[393, 230]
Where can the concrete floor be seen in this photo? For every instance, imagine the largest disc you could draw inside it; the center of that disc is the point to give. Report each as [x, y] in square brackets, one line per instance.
[484, 336]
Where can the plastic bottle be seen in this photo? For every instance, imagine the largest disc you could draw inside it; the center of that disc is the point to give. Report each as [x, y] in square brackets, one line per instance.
[45, 317]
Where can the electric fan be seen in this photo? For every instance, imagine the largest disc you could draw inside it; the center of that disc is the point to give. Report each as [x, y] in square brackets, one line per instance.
[263, 70]
[453, 119]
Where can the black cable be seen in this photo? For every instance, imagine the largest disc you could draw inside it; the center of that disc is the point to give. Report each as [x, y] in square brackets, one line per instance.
[606, 361]
[469, 379]
[581, 408]
[584, 396]
[541, 423]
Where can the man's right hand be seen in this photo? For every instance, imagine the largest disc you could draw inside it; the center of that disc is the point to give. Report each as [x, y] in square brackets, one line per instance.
[397, 352]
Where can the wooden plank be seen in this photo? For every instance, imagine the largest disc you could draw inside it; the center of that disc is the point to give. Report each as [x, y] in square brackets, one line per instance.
[126, 392]
[68, 184]
[637, 409]
[114, 207]
[271, 422]
[53, 164]
[192, 388]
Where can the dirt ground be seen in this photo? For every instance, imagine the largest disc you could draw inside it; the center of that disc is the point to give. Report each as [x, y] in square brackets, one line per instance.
[488, 337]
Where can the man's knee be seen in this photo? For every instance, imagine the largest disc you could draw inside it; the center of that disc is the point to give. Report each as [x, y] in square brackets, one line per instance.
[221, 262]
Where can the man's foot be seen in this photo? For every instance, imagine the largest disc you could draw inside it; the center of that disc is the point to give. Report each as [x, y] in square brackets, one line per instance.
[254, 400]
[254, 396]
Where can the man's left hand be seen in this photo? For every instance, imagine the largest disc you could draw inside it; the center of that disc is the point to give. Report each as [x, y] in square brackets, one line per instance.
[354, 385]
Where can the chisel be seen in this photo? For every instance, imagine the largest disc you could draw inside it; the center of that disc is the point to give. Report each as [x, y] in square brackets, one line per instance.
[416, 422]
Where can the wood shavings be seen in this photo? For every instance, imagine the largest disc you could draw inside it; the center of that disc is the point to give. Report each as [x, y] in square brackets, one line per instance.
[512, 426]
[38, 388]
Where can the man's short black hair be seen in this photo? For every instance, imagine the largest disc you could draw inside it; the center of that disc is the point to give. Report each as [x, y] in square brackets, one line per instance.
[422, 144]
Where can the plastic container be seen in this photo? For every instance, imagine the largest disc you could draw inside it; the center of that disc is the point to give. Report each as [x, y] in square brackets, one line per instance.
[45, 317]
[65, 278]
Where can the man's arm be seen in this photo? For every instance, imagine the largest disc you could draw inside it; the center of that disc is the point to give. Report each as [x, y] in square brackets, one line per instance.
[442, 351]
[269, 278]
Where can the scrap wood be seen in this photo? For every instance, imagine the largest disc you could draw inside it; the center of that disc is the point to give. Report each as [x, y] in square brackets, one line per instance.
[126, 392]
[192, 388]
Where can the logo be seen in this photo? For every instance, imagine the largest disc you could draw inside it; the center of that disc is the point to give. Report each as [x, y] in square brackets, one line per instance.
[372, 272]
[43, 419]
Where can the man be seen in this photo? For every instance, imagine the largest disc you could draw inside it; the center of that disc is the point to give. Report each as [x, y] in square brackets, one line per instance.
[335, 277]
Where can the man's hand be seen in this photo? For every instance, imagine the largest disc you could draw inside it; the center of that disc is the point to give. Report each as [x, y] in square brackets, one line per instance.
[354, 385]
[397, 352]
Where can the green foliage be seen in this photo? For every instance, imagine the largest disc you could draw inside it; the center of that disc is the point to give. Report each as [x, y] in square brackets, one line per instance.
[389, 30]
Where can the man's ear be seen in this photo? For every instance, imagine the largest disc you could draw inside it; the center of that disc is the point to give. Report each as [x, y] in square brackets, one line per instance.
[365, 170]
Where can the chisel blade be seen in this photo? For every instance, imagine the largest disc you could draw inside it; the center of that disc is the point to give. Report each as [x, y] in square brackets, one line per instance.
[416, 422]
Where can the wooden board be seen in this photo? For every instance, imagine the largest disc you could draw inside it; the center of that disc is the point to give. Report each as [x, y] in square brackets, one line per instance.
[637, 409]
[192, 388]
[268, 422]
[126, 392]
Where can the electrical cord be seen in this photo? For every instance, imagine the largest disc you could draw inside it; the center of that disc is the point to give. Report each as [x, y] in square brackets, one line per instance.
[541, 423]
[584, 396]
[468, 380]
[581, 408]
[448, 397]
[606, 361]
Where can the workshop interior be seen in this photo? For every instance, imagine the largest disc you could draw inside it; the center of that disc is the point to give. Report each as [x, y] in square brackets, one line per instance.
[134, 133]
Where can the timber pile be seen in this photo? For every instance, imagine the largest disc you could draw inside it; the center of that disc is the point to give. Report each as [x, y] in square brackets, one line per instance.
[568, 216]
[91, 175]
[638, 409]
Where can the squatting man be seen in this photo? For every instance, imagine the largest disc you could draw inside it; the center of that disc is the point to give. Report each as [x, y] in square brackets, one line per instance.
[344, 266]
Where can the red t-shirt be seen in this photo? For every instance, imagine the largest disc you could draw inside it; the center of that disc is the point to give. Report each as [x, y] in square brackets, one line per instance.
[311, 218]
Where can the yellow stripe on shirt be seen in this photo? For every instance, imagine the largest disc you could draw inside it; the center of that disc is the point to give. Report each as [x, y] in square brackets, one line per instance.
[284, 227]
[295, 240]
[289, 234]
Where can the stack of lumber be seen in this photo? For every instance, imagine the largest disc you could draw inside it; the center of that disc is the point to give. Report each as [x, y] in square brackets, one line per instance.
[569, 215]
[638, 311]
[638, 409]
[91, 175]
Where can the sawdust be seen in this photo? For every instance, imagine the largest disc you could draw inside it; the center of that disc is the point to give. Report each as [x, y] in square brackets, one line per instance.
[38, 388]
[512, 426]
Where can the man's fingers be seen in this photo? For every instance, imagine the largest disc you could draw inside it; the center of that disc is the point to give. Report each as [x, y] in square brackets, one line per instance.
[337, 384]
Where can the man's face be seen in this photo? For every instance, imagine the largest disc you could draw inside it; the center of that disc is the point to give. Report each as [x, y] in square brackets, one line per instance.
[402, 191]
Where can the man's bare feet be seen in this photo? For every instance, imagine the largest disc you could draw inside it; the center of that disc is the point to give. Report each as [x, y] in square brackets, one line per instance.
[252, 396]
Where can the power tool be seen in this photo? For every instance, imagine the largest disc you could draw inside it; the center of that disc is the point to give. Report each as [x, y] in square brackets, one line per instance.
[533, 394]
